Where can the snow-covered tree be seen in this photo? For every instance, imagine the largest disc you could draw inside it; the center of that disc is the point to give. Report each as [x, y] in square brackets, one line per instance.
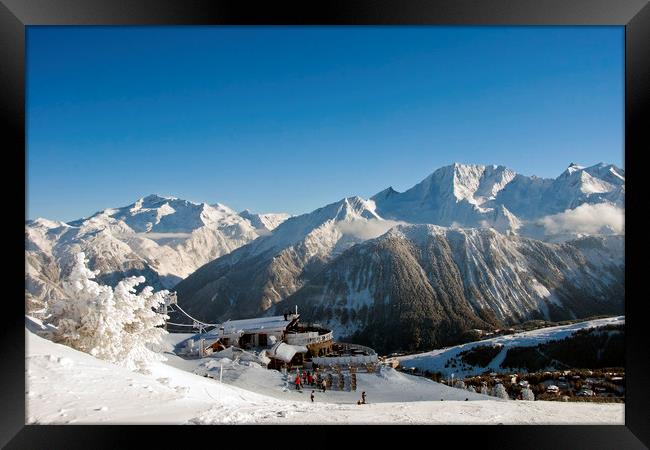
[459, 384]
[527, 394]
[484, 389]
[114, 325]
[471, 388]
[500, 391]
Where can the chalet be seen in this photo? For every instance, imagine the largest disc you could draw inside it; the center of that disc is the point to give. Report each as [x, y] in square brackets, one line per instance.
[285, 342]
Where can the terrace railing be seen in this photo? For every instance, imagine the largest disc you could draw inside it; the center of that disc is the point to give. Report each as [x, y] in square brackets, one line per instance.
[311, 337]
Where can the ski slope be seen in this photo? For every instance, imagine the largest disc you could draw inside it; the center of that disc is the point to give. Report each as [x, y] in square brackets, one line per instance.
[65, 386]
[434, 361]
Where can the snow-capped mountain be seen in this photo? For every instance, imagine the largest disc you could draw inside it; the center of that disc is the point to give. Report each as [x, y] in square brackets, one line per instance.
[455, 194]
[422, 286]
[531, 198]
[264, 223]
[254, 277]
[468, 246]
[479, 269]
[163, 238]
[493, 196]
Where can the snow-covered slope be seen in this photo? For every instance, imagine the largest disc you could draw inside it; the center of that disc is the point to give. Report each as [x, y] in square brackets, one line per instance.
[163, 238]
[64, 386]
[423, 286]
[435, 361]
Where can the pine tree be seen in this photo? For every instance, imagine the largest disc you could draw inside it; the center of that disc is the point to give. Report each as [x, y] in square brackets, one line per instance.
[114, 325]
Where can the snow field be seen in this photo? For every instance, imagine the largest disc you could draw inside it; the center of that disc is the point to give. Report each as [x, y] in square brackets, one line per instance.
[67, 386]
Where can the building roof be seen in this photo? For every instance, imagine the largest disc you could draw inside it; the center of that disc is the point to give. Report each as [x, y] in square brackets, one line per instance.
[285, 352]
[256, 325]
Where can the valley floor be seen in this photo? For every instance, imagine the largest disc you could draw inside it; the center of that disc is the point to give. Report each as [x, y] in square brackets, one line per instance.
[70, 387]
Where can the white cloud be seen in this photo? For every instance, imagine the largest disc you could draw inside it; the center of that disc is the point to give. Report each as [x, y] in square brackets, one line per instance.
[590, 219]
[367, 229]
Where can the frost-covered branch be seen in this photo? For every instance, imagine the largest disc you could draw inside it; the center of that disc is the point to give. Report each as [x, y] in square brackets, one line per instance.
[116, 325]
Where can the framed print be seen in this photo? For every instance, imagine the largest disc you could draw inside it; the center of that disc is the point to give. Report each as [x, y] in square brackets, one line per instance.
[349, 214]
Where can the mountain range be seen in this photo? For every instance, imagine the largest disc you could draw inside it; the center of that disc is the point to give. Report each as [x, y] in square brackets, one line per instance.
[470, 246]
[162, 238]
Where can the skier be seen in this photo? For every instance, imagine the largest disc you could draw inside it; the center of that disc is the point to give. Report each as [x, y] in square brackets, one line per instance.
[297, 382]
[363, 397]
[310, 379]
[324, 384]
[312, 396]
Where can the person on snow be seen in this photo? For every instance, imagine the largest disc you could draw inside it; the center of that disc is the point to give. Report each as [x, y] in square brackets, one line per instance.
[324, 384]
[298, 383]
[310, 379]
[312, 396]
[363, 397]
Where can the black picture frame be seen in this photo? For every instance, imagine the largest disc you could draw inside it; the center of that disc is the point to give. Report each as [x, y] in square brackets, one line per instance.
[15, 15]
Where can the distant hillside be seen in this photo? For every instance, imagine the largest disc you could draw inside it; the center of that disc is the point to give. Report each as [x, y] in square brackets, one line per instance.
[589, 344]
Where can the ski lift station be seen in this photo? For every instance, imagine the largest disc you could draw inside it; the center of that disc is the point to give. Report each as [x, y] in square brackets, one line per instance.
[280, 342]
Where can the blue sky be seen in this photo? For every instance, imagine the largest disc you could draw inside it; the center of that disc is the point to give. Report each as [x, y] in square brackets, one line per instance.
[290, 119]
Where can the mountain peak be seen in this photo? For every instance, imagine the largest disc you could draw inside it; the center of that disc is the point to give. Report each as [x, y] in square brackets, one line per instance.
[157, 198]
[573, 167]
[46, 223]
[386, 193]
